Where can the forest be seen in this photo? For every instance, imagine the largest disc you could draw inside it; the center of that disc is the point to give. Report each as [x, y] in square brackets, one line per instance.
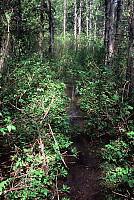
[67, 99]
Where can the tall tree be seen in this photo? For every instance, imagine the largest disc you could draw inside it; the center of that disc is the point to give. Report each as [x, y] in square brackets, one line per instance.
[119, 17]
[95, 24]
[130, 65]
[50, 28]
[119, 25]
[19, 20]
[65, 8]
[90, 16]
[87, 17]
[80, 14]
[1, 33]
[109, 30]
[41, 29]
[5, 45]
[75, 18]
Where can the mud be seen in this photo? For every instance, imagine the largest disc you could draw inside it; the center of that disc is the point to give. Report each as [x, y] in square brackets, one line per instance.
[84, 172]
[83, 175]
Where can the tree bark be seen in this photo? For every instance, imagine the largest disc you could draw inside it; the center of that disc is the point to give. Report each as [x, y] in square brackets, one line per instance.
[19, 21]
[75, 18]
[119, 17]
[65, 8]
[4, 47]
[90, 22]
[80, 17]
[87, 16]
[130, 64]
[41, 29]
[109, 31]
[50, 28]
[118, 25]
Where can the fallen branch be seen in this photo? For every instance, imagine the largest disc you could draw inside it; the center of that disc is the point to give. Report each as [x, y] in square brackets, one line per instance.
[122, 195]
[57, 146]
[19, 188]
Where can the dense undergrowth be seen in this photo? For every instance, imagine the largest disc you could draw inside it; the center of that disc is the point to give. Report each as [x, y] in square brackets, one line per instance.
[35, 122]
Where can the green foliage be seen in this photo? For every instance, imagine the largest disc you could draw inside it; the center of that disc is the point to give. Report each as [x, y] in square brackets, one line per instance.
[33, 181]
[33, 98]
[108, 108]
[3, 184]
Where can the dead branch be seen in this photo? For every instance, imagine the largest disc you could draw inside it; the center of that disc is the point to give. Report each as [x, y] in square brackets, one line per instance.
[19, 188]
[57, 146]
[122, 195]
[41, 145]
[124, 91]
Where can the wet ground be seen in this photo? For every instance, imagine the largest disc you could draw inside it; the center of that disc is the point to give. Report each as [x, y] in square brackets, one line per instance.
[83, 175]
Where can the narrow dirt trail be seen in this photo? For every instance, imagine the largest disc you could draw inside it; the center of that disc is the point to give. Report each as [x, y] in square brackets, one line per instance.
[83, 174]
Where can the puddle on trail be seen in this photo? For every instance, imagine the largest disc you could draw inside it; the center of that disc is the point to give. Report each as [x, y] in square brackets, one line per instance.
[83, 174]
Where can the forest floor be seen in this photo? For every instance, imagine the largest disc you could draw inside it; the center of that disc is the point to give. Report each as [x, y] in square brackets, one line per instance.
[84, 172]
[83, 175]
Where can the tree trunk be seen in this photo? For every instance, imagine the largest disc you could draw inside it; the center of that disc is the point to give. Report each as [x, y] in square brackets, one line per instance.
[50, 28]
[119, 17]
[109, 31]
[130, 65]
[1, 32]
[118, 25]
[75, 18]
[19, 20]
[80, 18]
[87, 16]
[5, 45]
[41, 29]
[90, 22]
[65, 7]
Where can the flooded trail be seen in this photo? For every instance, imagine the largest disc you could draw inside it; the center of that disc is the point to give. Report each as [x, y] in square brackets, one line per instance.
[83, 174]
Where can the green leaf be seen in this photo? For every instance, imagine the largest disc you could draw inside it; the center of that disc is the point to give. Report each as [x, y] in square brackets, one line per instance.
[131, 183]
[45, 191]
[3, 131]
[130, 107]
[11, 127]
[131, 134]
[115, 97]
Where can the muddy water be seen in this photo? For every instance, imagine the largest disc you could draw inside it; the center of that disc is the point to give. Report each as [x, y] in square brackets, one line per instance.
[83, 171]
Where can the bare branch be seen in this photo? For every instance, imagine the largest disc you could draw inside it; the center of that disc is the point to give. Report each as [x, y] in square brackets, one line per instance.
[57, 146]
